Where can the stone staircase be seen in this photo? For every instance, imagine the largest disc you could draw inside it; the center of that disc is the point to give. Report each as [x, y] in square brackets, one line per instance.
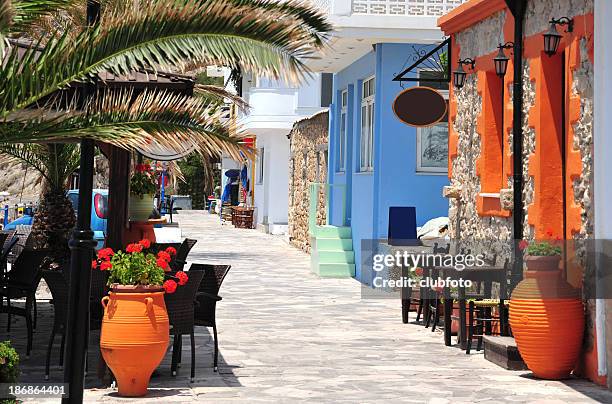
[332, 253]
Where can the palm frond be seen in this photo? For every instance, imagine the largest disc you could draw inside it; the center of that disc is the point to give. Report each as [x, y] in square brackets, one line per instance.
[168, 119]
[30, 154]
[27, 12]
[162, 35]
[220, 95]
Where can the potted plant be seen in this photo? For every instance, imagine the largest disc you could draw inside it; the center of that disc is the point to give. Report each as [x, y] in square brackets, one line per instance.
[135, 329]
[9, 368]
[142, 191]
[546, 312]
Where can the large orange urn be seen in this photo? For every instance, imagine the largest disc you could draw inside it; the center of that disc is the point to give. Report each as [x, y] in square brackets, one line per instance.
[134, 336]
[547, 319]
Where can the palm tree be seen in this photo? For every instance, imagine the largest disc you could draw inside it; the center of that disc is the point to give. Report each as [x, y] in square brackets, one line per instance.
[55, 217]
[262, 36]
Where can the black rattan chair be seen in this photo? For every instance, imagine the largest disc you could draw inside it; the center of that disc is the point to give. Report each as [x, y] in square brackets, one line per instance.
[59, 285]
[21, 282]
[180, 306]
[7, 247]
[178, 263]
[207, 298]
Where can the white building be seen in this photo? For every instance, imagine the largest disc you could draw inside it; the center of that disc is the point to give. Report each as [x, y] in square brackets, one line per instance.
[275, 106]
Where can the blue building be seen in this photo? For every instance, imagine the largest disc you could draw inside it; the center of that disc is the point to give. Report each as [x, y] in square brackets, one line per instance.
[376, 161]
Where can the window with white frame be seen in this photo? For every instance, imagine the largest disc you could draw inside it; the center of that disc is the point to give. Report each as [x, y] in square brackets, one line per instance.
[432, 141]
[342, 135]
[260, 165]
[366, 143]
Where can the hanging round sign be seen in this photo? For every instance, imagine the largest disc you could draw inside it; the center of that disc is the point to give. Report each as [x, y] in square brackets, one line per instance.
[420, 106]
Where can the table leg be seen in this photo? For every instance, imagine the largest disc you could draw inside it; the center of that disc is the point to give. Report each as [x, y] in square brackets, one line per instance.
[461, 333]
[448, 310]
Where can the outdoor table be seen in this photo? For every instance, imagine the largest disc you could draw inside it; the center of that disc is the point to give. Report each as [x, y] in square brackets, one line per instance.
[478, 274]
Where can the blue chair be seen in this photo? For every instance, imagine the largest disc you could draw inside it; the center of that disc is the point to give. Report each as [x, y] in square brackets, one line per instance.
[402, 226]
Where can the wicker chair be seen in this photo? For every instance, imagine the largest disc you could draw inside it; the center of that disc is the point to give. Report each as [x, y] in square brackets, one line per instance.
[178, 263]
[59, 285]
[180, 306]
[207, 298]
[7, 247]
[22, 281]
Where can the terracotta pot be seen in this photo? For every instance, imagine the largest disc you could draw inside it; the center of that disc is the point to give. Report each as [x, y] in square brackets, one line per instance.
[134, 335]
[141, 207]
[547, 319]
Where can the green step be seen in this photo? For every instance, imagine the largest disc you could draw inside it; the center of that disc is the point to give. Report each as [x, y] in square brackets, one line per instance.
[336, 257]
[334, 244]
[343, 232]
[336, 270]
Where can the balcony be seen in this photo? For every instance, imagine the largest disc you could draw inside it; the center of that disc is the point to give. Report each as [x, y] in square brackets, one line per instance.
[359, 24]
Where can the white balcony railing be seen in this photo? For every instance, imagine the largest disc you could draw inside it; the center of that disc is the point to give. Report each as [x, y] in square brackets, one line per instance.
[426, 8]
[323, 5]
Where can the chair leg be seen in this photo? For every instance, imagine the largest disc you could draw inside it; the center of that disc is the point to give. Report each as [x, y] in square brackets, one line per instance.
[470, 328]
[62, 345]
[8, 307]
[193, 356]
[49, 348]
[436, 316]
[216, 360]
[419, 311]
[180, 352]
[481, 326]
[28, 317]
[175, 348]
[35, 310]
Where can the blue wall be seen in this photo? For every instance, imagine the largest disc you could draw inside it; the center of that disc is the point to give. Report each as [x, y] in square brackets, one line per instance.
[394, 181]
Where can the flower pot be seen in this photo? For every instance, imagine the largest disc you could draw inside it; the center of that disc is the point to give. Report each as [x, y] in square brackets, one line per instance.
[134, 335]
[547, 319]
[141, 207]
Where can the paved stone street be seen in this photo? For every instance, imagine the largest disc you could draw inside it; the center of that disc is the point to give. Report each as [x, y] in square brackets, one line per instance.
[288, 336]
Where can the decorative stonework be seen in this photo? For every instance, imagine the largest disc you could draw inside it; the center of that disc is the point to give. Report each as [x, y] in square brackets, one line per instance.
[308, 165]
[482, 38]
[529, 146]
[539, 12]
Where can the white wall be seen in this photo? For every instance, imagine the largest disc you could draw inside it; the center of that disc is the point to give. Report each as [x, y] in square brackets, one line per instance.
[603, 163]
[272, 196]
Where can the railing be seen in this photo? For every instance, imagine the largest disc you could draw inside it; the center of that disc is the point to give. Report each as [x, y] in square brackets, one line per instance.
[323, 5]
[319, 213]
[426, 8]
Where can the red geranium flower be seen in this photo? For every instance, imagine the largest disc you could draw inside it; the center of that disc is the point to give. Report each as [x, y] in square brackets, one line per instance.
[171, 251]
[182, 277]
[134, 248]
[549, 233]
[523, 244]
[162, 264]
[94, 264]
[105, 266]
[162, 255]
[105, 254]
[145, 243]
[170, 286]
[418, 271]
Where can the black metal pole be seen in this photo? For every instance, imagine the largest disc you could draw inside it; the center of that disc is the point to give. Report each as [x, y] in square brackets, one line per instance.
[82, 246]
[517, 137]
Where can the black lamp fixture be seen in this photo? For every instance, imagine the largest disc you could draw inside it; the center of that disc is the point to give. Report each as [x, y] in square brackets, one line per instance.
[501, 60]
[552, 37]
[460, 74]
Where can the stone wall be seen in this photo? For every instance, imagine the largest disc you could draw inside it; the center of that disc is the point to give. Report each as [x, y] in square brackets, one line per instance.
[308, 166]
[480, 40]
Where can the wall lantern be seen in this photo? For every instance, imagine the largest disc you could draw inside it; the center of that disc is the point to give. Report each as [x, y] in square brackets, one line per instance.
[501, 60]
[460, 74]
[552, 37]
